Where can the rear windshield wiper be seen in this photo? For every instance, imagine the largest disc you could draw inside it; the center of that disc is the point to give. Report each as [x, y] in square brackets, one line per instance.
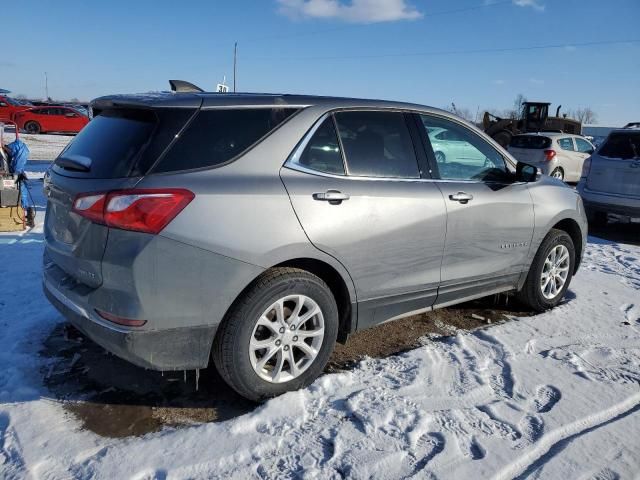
[74, 162]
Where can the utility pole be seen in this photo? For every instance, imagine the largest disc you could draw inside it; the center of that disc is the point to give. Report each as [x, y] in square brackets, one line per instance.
[46, 87]
[235, 63]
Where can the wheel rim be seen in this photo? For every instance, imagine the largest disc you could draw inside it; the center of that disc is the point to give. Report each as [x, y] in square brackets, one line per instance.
[555, 272]
[557, 173]
[31, 128]
[286, 339]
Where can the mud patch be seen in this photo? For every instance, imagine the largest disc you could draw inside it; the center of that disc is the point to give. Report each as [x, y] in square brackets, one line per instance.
[114, 398]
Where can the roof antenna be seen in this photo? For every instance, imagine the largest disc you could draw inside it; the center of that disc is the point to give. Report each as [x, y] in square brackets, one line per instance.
[180, 86]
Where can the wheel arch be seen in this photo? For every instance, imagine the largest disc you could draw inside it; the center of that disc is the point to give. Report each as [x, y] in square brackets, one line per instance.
[341, 288]
[347, 306]
[571, 227]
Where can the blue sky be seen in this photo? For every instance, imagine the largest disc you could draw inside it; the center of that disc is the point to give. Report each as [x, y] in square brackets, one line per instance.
[427, 51]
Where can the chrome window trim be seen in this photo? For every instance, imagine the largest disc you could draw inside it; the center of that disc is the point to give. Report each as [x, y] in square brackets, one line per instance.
[292, 161]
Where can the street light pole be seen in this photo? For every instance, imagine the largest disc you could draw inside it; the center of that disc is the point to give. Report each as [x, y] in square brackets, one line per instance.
[46, 86]
[235, 63]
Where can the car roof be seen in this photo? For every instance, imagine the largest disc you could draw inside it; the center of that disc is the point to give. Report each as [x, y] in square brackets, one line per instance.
[213, 100]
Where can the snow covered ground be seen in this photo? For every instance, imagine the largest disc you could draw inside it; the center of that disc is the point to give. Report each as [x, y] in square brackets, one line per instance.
[41, 147]
[555, 395]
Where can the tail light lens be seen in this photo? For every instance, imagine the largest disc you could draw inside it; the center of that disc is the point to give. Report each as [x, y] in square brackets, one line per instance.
[549, 155]
[127, 322]
[140, 210]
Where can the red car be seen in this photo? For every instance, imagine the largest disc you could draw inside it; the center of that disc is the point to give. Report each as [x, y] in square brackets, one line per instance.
[51, 119]
[9, 107]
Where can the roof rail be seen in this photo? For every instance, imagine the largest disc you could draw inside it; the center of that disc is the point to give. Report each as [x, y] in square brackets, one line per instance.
[180, 86]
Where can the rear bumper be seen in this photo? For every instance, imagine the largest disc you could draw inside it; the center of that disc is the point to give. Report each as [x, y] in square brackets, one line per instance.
[600, 202]
[172, 349]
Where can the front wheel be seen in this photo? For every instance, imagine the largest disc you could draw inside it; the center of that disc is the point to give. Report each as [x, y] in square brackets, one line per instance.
[33, 128]
[550, 273]
[278, 336]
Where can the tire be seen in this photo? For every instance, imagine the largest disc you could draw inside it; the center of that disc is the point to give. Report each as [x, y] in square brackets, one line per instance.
[503, 138]
[32, 128]
[440, 157]
[238, 360]
[558, 173]
[532, 291]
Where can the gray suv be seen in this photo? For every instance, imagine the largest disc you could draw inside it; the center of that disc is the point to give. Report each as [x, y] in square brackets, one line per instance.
[256, 230]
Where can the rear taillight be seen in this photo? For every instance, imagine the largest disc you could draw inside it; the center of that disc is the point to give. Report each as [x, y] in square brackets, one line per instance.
[549, 155]
[586, 167]
[140, 210]
[127, 322]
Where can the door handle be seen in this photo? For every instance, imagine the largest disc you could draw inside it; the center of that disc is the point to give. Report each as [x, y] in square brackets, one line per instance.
[334, 197]
[461, 197]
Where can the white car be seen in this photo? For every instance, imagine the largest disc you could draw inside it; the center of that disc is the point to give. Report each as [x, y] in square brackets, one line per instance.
[610, 181]
[559, 155]
[449, 145]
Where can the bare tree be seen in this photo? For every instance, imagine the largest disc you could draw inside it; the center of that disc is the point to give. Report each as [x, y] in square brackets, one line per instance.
[516, 110]
[584, 115]
[74, 100]
[462, 112]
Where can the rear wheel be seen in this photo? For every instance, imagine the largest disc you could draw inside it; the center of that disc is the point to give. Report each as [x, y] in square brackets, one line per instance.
[558, 173]
[278, 336]
[550, 273]
[32, 128]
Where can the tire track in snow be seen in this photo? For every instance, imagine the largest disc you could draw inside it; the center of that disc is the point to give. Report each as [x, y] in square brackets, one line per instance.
[553, 442]
[11, 460]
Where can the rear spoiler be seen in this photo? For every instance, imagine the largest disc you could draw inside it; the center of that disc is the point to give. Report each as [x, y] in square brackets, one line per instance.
[181, 86]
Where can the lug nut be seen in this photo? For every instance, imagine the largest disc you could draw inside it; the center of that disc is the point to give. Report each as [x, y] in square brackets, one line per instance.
[293, 327]
[295, 339]
[281, 330]
[286, 348]
[278, 342]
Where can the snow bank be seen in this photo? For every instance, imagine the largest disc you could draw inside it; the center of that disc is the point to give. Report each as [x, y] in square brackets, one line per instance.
[551, 396]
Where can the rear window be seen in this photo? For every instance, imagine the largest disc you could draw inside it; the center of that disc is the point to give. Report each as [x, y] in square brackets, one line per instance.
[121, 143]
[218, 136]
[624, 145]
[530, 141]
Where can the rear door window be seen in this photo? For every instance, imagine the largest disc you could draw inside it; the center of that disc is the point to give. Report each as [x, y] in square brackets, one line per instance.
[583, 146]
[216, 137]
[623, 145]
[566, 144]
[377, 144]
[322, 153]
[530, 142]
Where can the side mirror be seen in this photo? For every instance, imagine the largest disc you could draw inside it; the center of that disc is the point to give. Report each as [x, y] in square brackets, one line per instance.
[526, 173]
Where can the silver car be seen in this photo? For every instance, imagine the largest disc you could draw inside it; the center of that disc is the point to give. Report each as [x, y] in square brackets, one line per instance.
[559, 155]
[610, 180]
[256, 230]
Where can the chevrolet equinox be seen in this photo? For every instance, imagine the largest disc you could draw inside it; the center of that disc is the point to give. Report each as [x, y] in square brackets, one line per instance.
[257, 230]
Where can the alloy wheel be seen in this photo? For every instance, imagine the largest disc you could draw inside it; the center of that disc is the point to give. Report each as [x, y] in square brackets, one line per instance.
[555, 272]
[286, 338]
